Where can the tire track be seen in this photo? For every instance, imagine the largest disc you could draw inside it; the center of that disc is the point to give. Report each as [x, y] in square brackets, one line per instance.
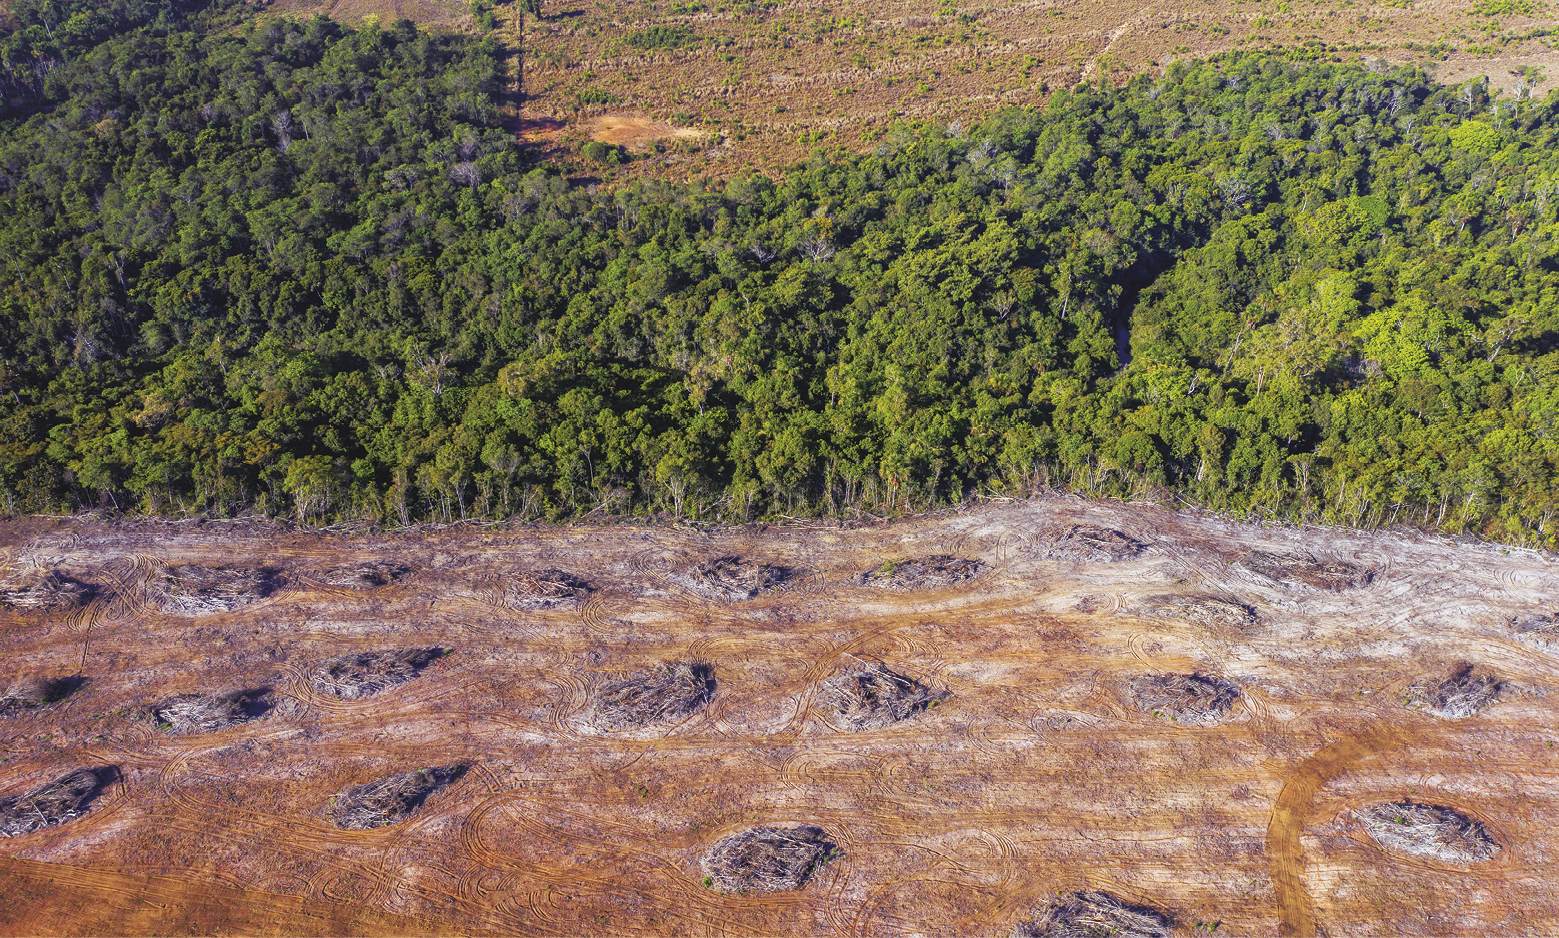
[1285, 851]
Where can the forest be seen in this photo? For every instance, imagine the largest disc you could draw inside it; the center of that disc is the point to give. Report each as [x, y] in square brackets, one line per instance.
[303, 270]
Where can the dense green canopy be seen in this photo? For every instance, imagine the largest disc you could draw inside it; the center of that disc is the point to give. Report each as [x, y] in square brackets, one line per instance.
[303, 269]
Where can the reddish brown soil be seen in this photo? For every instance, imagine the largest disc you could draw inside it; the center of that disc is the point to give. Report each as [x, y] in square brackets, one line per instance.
[1034, 777]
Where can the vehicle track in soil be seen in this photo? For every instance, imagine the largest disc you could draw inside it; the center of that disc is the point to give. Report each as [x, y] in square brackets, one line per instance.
[1034, 776]
[1296, 914]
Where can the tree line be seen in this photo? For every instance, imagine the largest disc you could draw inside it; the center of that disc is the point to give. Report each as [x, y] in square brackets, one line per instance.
[301, 269]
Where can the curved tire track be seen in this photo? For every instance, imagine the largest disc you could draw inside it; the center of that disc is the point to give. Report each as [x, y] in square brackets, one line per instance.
[1285, 852]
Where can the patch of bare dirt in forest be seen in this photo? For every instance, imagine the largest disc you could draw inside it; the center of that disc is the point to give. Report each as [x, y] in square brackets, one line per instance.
[1043, 715]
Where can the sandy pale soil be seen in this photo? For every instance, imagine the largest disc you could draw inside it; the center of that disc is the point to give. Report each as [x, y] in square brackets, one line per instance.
[1037, 775]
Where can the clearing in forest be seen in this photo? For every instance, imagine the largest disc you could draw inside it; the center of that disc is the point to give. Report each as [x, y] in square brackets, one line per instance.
[1040, 718]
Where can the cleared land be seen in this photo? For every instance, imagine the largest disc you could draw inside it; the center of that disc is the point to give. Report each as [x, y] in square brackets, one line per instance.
[1034, 778]
[708, 87]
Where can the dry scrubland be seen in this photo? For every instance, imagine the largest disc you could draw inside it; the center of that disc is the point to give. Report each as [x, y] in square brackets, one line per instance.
[1032, 717]
[711, 86]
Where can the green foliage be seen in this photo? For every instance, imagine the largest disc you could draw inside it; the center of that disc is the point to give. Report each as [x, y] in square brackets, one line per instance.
[604, 154]
[1475, 136]
[301, 269]
[661, 36]
[1503, 8]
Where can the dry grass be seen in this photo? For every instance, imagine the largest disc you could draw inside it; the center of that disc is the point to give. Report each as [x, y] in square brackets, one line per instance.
[1427, 830]
[367, 673]
[767, 859]
[1305, 571]
[1185, 698]
[196, 590]
[1096, 915]
[732, 578]
[544, 589]
[1201, 608]
[766, 83]
[662, 694]
[1090, 544]
[30, 694]
[922, 573]
[367, 575]
[38, 590]
[389, 800]
[206, 713]
[870, 696]
[1462, 694]
[54, 802]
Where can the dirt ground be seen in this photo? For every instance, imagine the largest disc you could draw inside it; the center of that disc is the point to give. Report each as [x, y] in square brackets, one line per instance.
[635, 132]
[1035, 776]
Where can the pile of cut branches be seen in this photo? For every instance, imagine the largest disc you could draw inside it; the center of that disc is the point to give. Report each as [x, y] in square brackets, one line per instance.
[206, 713]
[195, 590]
[39, 590]
[1428, 830]
[921, 573]
[767, 859]
[1461, 694]
[1088, 543]
[732, 578]
[871, 696]
[1305, 571]
[1096, 915]
[370, 574]
[54, 802]
[367, 673]
[1540, 632]
[543, 589]
[30, 694]
[1201, 608]
[390, 800]
[1185, 698]
[661, 694]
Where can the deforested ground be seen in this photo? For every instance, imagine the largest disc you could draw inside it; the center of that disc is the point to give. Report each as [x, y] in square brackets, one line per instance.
[1366, 693]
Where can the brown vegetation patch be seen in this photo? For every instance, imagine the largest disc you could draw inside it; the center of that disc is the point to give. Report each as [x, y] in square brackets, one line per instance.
[1540, 632]
[922, 573]
[1185, 698]
[1202, 608]
[207, 713]
[1094, 915]
[38, 590]
[367, 673]
[390, 800]
[767, 859]
[368, 575]
[870, 696]
[29, 694]
[1461, 694]
[54, 802]
[544, 589]
[732, 578]
[1090, 543]
[657, 695]
[1304, 570]
[1428, 830]
[196, 590]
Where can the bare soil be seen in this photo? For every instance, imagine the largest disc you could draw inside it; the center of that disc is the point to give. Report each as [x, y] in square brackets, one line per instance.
[1036, 778]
